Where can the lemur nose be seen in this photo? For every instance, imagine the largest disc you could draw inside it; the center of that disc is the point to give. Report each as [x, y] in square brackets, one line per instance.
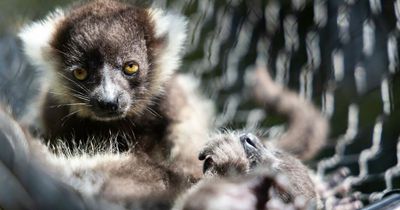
[110, 106]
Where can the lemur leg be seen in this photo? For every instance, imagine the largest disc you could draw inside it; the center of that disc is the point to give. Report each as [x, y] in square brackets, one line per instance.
[191, 125]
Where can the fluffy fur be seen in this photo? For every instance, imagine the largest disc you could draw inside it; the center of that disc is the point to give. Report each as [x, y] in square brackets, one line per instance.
[37, 179]
[34, 178]
[155, 104]
[172, 28]
[126, 181]
[234, 153]
[36, 40]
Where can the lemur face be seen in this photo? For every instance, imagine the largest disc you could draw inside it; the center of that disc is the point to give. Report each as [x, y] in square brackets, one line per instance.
[105, 60]
[233, 152]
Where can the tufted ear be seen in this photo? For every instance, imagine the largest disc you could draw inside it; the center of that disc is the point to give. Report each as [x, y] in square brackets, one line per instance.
[36, 39]
[172, 29]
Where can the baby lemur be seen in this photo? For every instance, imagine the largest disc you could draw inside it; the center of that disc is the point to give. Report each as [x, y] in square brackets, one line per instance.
[108, 73]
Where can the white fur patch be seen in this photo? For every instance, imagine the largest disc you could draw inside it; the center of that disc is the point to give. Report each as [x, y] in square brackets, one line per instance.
[36, 38]
[172, 28]
[195, 118]
[83, 172]
[108, 88]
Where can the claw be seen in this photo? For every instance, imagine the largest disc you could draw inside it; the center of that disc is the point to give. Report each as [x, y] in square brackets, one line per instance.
[207, 163]
[202, 156]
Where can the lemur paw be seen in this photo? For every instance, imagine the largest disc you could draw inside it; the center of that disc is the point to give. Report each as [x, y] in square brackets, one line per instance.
[230, 154]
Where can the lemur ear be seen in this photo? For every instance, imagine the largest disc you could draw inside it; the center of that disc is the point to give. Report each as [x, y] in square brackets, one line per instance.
[171, 28]
[36, 38]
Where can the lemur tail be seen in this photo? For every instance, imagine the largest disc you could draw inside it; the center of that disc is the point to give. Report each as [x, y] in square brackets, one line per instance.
[307, 130]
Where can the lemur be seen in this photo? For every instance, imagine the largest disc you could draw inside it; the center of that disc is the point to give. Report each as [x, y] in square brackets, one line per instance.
[108, 72]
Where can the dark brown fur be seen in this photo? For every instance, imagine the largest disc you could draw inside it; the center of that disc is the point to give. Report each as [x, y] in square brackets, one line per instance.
[144, 132]
[101, 36]
[113, 27]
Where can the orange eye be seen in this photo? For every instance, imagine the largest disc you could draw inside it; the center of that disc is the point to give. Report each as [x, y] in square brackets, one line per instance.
[131, 68]
[80, 74]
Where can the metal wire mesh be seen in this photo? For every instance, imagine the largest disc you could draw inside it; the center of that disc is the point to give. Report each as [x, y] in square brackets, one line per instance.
[341, 54]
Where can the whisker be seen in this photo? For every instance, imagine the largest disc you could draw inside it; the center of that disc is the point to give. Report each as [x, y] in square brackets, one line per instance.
[76, 83]
[148, 108]
[68, 116]
[151, 101]
[57, 93]
[82, 97]
[75, 93]
[153, 112]
[72, 104]
[131, 128]
[74, 90]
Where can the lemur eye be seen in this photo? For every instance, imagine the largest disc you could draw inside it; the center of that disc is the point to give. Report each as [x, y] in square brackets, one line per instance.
[131, 68]
[80, 74]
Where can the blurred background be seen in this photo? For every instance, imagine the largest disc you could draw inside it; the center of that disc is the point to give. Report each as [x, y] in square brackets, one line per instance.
[343, 55]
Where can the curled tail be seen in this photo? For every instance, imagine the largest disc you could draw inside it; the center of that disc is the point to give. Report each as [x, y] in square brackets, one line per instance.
[307, 128]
